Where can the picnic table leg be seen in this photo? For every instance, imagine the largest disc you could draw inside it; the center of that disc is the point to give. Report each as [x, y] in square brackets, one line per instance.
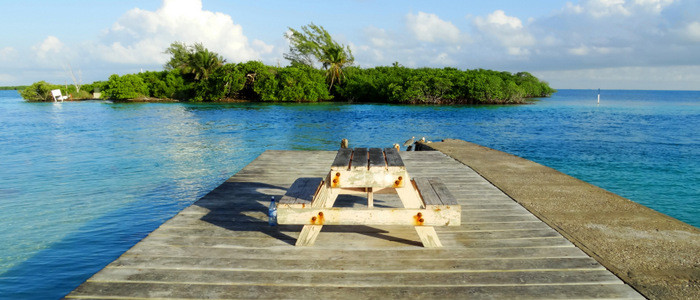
[411, 199]
[325, 197]
[370, 197]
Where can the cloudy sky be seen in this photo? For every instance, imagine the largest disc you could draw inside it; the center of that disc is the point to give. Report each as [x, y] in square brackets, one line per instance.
[589, 44]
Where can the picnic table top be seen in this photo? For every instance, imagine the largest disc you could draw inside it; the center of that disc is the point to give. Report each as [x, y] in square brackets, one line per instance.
[359, 159]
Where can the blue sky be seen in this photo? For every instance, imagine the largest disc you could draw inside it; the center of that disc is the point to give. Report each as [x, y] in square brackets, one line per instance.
[609, 44]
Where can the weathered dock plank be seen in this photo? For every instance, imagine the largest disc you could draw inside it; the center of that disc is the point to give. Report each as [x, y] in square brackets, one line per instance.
[222, 247]
[161, 289]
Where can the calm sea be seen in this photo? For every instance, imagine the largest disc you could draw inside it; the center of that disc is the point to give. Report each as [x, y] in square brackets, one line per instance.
[80, 183]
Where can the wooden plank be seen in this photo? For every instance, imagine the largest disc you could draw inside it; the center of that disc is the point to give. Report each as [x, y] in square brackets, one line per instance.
[472, 218]
[362, 178]
[359, 159]
[308, 235]
[341, 251]
[329, 239]
[252, 290]
[360, 264]
[376, 159]
[428, 236]
[411, 199]
[221, 247]
[428, 194]
[254, 226]
[301, 192]
[325, 198]
[369, 216]
[443, 193]
[342, 278]
[342, 160]
[393, 159]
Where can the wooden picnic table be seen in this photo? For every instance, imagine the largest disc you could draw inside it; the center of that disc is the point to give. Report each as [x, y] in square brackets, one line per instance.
[426, 201]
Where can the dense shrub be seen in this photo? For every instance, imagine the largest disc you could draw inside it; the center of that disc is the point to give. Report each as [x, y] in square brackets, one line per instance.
[224, 83]
[39, 91]
[293, 83]
[163, 84]
[124, 87]
[256, 81]
[449, 85]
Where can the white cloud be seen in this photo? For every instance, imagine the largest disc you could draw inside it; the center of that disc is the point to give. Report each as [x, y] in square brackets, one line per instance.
[655, 6]
[507, 30]
[430, 28]
[606, 8]
[644, 33]
[262, 47]
[692, 31]
[638, 77]
[574, 9]
[582, 50]
[379, 37]
[443, 59]
[429, 40]
[7, 53]
[499, 19]
[601, 8]
[586, 50]
[49, 48]
[141, 36]
[6, 78]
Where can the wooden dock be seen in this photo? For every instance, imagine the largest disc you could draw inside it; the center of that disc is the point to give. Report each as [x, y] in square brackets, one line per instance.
[222, 247]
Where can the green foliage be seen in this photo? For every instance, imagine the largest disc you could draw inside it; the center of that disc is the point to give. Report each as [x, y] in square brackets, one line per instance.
[195, 60]
[95, 87]
[314, 43]
[398, 84]
[256, 81]
[83, 94]
[16, 88]
[293, 83]
[259, 79]
[225, 83]
[39, 91]
[163, 84]
[179, 55]
[129, 86]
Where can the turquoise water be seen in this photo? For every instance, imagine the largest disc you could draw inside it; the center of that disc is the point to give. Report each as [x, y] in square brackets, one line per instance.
[80, 183]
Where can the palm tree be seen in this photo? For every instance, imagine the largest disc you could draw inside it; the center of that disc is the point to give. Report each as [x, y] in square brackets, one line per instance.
[334, 59]
[193, 59]
[202, 63]
[314, 41]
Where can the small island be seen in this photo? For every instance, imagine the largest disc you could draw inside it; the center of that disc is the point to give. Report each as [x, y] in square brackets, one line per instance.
[320, 69]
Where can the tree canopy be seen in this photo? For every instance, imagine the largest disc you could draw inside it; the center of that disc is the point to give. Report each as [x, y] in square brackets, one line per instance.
[314, 44]
[194, 59]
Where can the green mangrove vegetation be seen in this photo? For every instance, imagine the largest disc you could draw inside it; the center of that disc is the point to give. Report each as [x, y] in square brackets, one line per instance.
[41, 91]
[320, 69]
[14, 87]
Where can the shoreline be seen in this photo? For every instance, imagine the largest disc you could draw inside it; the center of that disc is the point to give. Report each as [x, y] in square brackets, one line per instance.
[656, 254]
[527, 101]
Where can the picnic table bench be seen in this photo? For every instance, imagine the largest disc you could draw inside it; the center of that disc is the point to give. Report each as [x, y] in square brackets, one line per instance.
[427, 201]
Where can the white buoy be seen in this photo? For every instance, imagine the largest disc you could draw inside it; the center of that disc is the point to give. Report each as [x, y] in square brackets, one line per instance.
[598, 96]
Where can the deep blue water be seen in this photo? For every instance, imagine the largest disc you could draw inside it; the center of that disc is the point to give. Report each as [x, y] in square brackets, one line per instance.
[81, 182]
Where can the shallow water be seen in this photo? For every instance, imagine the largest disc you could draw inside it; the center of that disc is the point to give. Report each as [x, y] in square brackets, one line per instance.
[81, 182]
